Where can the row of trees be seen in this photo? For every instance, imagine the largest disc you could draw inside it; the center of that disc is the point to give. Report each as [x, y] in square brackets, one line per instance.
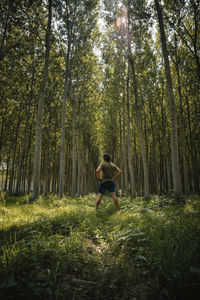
[70, 92]
[157, 95]
[47, 76]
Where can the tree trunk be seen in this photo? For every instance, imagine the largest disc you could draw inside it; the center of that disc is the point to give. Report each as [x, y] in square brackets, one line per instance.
[47, 169]
[54, 175]
[38, 135]
[168, 174]
[153, 156]
[7, 172]
[121, 155]
[172, 107]
[137, 115]
[22, 152]
[28, 154]
[79, 150]
[124, 152]
[62, 142]
[194, 180]
[11, 177]
[183, 143]
[1, 137]
[74, 148]
[3, 39]
[141, 135]
[130, 159]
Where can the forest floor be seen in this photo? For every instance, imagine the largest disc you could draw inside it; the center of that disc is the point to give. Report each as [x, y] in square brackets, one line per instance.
[62, 249]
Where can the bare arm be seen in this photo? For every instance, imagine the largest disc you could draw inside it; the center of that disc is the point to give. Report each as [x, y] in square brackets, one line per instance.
[97, 172]
[118, 172]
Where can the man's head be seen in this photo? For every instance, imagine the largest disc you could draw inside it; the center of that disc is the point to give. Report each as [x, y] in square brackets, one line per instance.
[107, 157]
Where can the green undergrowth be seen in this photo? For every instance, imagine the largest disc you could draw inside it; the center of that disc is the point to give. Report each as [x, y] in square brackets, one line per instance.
[61, 249]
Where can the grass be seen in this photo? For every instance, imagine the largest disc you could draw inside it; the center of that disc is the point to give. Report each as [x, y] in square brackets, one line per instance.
[62, 249]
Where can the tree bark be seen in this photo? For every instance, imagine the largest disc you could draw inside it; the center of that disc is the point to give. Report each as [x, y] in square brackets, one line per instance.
[62, 142]
[172, 106]
[130, 159]
[194, 179]
[137, 115]
[22, 152]
[183, 143]
[79, 150]
[11, 177]
[38, 137]
[121, 155]
[74, 148]
[141, 135]
[7, 172]
[124, 152]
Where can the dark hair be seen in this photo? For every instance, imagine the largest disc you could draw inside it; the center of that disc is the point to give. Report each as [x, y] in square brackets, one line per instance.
[107, 157]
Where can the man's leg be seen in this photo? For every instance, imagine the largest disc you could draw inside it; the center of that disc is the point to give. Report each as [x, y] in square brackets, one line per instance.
[115, 201]
[98, 200]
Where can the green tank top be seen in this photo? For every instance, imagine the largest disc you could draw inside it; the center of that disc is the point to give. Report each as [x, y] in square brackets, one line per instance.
[109, 170]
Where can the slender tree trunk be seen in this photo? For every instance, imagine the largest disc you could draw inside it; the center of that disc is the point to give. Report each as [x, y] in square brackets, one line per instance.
[22, 152]
[1, 137]
[83, 171]
[168, 174]
[164, 141]
[194, 180]
[141, 135]
[62, 142]
[11, 177]
[24, 179]
[54, 157]
[7, 172]
[24, 186]
[130, 159]
[137, 115]
[183, 143]
[153, 156]
[3, 39]
[38, 135]
[161, 169]
[79, 150]
[196, 36]
[70, 27]
[28, 170]
[2, 177]
[79, 168]
[74, 148]
[121, 155]
[47, 169]
[172, 107]
[124, 152]
[21, 159]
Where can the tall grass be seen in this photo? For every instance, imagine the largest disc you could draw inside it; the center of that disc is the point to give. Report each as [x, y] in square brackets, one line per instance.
[62, 249]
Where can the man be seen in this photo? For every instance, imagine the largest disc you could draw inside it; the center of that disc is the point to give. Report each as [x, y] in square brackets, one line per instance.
[110, 173]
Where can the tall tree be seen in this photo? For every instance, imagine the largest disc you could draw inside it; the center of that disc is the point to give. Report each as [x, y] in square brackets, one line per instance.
[130, 159]
[42, 93]
[172, 106]
[124, 28]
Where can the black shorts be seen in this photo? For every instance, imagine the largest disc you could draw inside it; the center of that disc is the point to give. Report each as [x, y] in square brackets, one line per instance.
[107, 186]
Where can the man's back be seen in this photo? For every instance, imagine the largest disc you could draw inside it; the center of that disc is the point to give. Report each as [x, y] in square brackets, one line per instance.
[109, 170]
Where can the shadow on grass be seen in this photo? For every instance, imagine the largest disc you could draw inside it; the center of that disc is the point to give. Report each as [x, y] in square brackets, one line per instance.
[68, 256]
[50, 258]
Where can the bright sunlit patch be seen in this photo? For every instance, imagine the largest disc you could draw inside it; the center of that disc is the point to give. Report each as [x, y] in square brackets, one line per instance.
[118, 23]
